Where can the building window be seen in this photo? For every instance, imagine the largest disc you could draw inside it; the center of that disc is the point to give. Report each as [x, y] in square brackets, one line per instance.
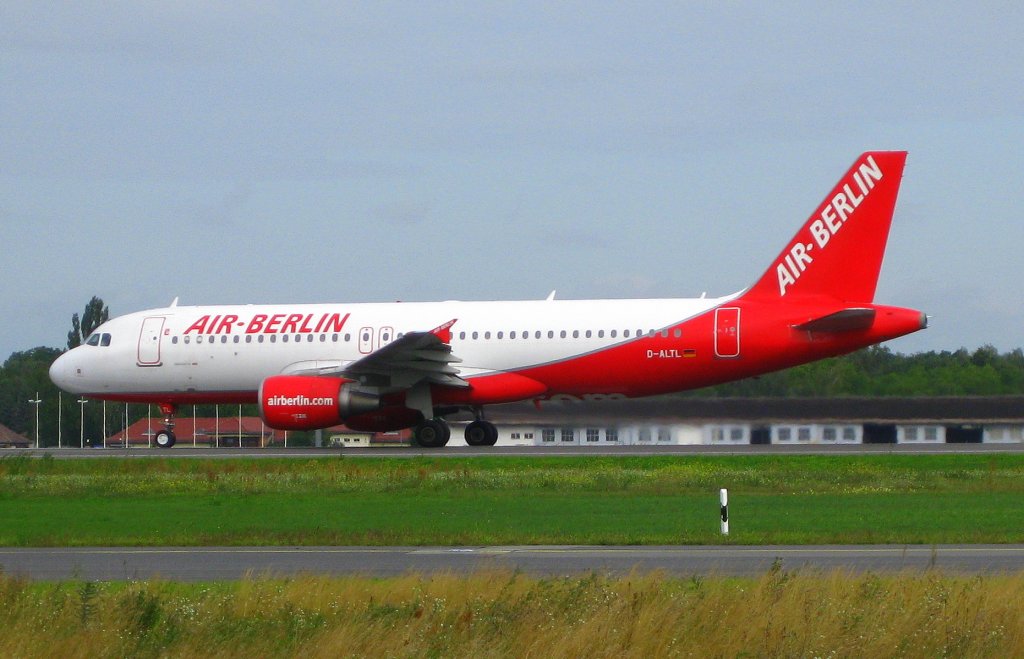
[717, 434]
[593, 434]
[528, 435]
[736, 434]
[547, 434]
[644, 435]
[785, 434]
[611, 434]
[931, 434]
[567, 435]
[515, 435]
[828, 434]
[664, 435]
[849, 433]
[910, 434]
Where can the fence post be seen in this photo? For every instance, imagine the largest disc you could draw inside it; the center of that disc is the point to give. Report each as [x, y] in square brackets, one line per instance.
[723, 498]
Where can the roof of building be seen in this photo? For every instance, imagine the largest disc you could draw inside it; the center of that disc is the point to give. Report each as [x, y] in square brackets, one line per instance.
[947, 409]
[8, 436]
[226, 426]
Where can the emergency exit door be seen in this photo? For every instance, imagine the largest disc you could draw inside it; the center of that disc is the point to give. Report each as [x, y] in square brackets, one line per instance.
[149, 341]
[727, 332]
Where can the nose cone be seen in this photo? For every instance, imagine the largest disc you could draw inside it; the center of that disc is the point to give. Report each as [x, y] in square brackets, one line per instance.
[61, 371]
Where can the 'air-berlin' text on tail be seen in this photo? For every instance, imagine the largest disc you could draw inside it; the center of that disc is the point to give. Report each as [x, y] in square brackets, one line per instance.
[838, 251]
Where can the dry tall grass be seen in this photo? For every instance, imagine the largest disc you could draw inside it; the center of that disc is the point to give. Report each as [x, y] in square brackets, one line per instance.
[499, 614]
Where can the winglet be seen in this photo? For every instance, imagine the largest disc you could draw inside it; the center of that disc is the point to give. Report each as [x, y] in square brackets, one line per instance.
[444, 332]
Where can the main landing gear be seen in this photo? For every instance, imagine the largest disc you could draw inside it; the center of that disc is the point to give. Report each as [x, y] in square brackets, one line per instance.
[165, 438]
[431, 433]
[481, 433]
[435, 433]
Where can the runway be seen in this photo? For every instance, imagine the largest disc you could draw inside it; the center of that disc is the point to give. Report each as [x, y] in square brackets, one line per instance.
[228, 563]
[462, 451]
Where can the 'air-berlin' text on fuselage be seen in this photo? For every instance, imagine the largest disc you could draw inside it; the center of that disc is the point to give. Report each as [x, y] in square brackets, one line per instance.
[833, 215]
[279, 323]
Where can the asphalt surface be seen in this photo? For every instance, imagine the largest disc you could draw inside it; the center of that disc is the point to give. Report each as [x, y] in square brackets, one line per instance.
[461, 450]
[228, 563]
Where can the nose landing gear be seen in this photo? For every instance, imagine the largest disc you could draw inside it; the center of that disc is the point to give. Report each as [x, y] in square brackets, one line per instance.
[165, 438]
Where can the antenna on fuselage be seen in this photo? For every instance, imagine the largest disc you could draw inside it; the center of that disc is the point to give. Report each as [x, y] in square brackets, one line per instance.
[551, 296]
[174, 302]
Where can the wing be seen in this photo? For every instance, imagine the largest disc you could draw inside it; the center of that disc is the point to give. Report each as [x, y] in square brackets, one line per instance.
[414, 358]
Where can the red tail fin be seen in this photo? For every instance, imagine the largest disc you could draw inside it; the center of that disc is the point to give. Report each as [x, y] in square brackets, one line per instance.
[838, 252]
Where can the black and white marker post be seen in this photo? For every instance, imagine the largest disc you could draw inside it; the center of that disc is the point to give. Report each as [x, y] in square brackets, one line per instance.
[723, 497]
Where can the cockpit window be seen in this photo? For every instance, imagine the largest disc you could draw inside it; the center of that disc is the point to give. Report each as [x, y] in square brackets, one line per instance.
[93, 340]
[105, 340]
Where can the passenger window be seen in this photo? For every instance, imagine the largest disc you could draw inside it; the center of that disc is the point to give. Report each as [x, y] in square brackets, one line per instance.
[174, 340]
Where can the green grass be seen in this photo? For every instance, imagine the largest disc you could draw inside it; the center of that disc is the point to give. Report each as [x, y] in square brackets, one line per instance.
[586, 500]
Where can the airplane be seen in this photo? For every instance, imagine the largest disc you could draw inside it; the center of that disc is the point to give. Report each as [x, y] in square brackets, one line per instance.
[379, 366]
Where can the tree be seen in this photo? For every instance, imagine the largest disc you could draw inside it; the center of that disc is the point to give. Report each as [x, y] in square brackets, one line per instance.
[96, 313]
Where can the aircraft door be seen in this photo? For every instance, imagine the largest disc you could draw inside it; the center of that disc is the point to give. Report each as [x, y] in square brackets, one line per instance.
[727, 332]
[366, 340]
[149, 341]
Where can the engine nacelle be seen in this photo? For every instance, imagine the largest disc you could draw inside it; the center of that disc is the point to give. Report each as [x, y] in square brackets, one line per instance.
[308, 402]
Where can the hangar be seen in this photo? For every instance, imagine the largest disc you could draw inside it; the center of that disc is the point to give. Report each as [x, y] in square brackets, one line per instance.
[739, 421]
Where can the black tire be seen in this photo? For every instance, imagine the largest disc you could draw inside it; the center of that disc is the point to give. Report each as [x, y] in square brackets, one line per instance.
[432, 433]
[481, 433]
[165, 439]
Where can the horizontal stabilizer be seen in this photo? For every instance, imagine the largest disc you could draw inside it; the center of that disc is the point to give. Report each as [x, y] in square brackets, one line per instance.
[847, 320]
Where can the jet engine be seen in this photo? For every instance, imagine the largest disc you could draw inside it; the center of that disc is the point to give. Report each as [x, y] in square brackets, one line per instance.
[307, 402]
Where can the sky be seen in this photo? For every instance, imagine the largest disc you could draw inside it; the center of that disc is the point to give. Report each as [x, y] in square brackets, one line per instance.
[380, 151]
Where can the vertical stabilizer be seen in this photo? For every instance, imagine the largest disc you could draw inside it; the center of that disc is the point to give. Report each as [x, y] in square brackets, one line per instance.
[838, 252]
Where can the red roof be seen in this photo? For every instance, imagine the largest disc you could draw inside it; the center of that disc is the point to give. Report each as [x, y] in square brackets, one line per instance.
[9, 437]
[204, 429]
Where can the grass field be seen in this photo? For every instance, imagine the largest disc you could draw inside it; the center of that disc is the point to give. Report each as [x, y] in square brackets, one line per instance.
[780, 614]
[502, 500]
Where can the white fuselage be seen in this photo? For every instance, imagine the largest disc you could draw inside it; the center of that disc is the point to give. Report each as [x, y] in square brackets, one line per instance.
[217, 350]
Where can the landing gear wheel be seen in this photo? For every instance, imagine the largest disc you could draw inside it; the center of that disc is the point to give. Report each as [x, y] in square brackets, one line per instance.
[432, 433]
[481, 433]
[165, 439]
